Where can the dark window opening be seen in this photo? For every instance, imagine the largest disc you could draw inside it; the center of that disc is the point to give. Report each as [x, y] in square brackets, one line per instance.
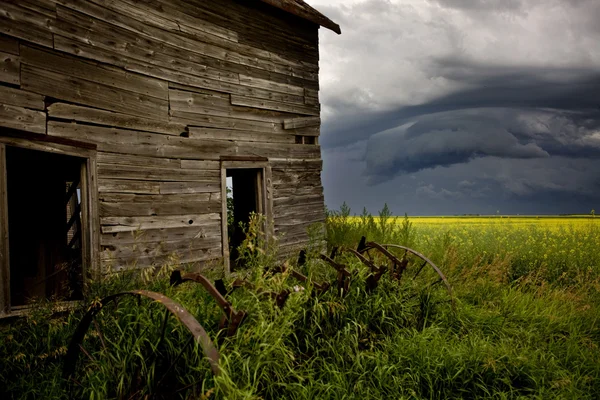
[44, 225]
[306, 139]
[244, 196]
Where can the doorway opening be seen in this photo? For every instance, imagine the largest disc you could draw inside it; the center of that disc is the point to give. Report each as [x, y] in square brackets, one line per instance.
[44, 204]
[244, 196]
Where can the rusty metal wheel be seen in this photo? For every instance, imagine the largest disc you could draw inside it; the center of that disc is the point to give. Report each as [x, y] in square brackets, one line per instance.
[419, 278]
[139, 344]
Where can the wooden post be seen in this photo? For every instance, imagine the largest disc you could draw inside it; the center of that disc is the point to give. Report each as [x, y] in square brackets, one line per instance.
[225, 239]
[4, 246]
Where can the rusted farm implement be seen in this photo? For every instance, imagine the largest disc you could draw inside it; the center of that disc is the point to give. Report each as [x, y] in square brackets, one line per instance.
[414, 272]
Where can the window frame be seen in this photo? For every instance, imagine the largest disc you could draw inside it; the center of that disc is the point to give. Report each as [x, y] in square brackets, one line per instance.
[90, 244]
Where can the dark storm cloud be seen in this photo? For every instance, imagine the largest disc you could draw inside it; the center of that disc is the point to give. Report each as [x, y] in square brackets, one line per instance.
[501, 98]
[443, 139]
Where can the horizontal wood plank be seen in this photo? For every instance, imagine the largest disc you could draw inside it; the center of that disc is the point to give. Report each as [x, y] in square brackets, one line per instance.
[295, 123]
[25, 24]
[22, 119]
[189, 187]
[200, 164]
[128, 224]
[144, 250]
[247, 136]
[158, 208]
[10, 68]
[93, 94]
[113, 140]
[147, 173]
[110, 118]
[127, 186]
[273, 105]
[161, 235]
[94, 72]
[133, 160]
[21, 98]
[161, 198]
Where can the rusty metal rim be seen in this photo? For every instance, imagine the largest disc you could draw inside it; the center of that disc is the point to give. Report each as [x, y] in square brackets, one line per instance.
[182, 315]
[373, 245]
[231, 319]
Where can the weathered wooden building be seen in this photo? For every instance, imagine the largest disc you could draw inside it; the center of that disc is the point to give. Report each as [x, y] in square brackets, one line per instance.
[122, 120]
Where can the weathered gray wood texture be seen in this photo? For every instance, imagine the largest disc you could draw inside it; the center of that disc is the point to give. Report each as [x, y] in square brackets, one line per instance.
[164, 89]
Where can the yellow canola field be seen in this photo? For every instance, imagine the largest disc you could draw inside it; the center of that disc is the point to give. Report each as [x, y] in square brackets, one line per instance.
[554, 244]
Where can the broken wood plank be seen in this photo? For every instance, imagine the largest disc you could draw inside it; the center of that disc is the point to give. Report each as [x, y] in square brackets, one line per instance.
[22, 119]
[93, 94]
[295, 123]
[113, 140]
[10, 68]
[21, 98]
[128, 224]
[273, 105]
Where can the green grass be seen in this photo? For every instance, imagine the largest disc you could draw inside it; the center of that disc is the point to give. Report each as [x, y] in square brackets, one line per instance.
[525, 326]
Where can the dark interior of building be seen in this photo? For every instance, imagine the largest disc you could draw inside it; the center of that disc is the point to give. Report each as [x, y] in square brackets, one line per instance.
[44, 217]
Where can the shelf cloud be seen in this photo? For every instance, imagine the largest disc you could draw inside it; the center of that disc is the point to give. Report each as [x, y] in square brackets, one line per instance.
[417, 91]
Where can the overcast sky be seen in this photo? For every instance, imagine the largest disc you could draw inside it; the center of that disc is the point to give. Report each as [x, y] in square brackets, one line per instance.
[461, 106]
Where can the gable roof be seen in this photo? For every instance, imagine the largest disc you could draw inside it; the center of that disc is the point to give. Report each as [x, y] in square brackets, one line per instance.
[303, 10]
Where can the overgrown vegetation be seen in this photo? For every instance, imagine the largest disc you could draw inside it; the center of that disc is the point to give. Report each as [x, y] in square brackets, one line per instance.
[525, 325]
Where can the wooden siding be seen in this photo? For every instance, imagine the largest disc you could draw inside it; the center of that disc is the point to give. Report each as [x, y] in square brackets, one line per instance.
[164, 89]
